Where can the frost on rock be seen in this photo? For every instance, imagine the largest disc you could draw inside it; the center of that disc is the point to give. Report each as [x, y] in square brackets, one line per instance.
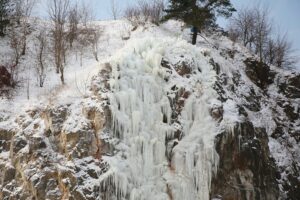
[143, 122]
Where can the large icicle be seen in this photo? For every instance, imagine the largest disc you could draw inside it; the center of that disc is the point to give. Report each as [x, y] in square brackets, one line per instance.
[141, 120]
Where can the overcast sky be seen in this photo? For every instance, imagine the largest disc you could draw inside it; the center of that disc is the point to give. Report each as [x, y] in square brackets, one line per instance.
[284, 13]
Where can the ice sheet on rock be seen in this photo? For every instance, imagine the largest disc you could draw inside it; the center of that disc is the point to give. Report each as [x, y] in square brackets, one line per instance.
[141, 119]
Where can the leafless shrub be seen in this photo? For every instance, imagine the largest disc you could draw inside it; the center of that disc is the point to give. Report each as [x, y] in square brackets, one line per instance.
[145, 11]
[152, 11]
[133, 15]
[82, 86]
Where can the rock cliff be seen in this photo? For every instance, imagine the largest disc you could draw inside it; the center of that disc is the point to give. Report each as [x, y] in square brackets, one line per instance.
[163, 120]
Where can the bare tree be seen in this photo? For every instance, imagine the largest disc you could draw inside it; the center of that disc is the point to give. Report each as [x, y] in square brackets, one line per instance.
[23, 10]
[115, 9]
[41, 47]
[86, 13]
[81, 44]
[269, 52]
[242, 25]
[95, 42]
[158, 8]
[283, 52]
[253, 27]
[262, 31]
[74, 18]
[58, 13]
[15, 40]
[89, 38]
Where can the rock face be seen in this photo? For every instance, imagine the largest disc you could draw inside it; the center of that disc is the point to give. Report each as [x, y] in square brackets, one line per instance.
[219, 132]
[246, 170]
[259, 155]
[258, 72]
[290, 86]
[55, 155]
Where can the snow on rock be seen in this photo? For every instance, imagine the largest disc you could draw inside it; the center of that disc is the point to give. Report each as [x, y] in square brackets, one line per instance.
[161, 119]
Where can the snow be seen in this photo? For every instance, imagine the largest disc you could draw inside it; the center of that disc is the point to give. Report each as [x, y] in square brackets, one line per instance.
[231, 113]
[77, 77]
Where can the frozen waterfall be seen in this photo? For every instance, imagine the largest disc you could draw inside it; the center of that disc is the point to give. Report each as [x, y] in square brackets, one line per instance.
[142, 120]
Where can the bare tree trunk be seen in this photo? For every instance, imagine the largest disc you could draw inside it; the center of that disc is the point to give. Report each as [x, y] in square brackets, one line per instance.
[58, 11]
[81, 55]
[114, 9]
[62, 78]
[194, 35]
[95, 50]
[27, 90]
[24, 47]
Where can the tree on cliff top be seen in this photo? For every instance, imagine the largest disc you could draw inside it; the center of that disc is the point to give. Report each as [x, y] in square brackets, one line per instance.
[198, 13]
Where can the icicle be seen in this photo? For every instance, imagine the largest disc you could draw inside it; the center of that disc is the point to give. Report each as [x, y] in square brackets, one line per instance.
[141, 120]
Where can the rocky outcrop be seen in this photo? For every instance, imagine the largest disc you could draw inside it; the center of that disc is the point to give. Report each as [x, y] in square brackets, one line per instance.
[259, 72]
[183, 67]
[290, 86]
[5, 139]
[55, 155]
[259, 156]
[246, 169]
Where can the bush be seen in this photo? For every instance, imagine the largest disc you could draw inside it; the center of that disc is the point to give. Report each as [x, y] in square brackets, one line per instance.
[145, 12]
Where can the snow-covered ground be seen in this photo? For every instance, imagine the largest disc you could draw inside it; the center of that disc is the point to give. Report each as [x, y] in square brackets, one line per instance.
[77, 77]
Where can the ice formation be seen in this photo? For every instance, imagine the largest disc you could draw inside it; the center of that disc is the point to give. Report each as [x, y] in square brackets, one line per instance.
[141, 121]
